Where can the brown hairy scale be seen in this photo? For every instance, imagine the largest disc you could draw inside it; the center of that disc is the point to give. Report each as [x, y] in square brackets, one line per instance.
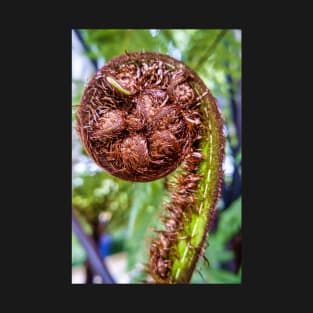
[145, 130]
[182, 198]
[139, 119]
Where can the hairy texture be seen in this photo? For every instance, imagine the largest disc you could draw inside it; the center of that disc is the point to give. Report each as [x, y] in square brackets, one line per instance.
[137, 115]
[144, 115]
[194, 192]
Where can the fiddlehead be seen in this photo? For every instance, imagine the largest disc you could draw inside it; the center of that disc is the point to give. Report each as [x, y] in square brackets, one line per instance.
[144, 115]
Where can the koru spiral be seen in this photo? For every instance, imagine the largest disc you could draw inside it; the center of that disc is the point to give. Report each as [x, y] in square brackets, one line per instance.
[139, 115]
[143, 115]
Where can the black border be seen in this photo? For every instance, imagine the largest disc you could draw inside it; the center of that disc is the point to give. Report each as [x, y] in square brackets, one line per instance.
[53, 159]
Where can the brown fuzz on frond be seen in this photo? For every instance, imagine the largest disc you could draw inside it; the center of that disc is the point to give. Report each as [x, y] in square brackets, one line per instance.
[137, 118]
[142, 116]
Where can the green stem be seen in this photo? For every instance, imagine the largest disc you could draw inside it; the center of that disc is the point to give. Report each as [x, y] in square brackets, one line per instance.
[195, 229]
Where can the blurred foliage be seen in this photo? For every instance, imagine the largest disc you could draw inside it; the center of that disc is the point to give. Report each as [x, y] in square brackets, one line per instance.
[135, 207]
[78, 253]
[97, 193]
[109, 43]
[144, 213]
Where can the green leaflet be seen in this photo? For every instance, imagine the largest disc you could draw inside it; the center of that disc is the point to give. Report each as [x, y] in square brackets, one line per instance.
[116, 85]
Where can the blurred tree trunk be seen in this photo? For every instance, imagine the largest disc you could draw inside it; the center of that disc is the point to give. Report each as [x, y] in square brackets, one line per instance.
[95, 236]
[95, 260]
[93, 61]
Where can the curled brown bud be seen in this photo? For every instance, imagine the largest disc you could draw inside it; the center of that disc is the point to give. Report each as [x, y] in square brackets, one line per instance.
[111, 124]
[134, 153]
[135, 117]
[141, 116]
